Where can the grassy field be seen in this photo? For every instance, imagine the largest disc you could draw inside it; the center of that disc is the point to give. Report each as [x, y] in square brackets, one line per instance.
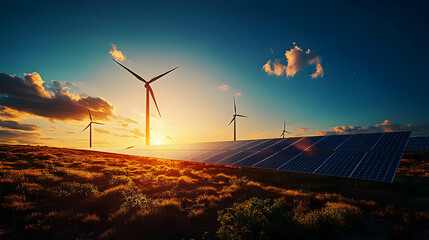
[73, 194]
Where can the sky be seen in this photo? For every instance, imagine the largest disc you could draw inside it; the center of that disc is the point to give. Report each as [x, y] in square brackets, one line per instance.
[326, 67]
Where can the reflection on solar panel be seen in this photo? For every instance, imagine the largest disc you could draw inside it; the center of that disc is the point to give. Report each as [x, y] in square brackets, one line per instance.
[418, 144]
[373, 156]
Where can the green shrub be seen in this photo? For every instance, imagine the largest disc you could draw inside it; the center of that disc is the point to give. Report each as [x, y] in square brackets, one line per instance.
[114, 171]
[51, 222]
[75, 173]
[134, 200]
[46, 177]
[252, 219]
[152, 223]
[110, 199]
[238, 181]
[333, 218]
[16, 202]
[120, 180]
[75, 189]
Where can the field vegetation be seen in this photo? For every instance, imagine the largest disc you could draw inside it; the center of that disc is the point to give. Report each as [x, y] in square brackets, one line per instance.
[74, 194]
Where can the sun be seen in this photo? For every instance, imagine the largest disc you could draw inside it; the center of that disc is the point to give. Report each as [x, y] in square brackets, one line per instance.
[157, 143]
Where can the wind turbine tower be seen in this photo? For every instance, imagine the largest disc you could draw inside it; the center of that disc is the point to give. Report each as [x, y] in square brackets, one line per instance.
[234, 119]
[148, 91]
[90, 128]
[284, 129]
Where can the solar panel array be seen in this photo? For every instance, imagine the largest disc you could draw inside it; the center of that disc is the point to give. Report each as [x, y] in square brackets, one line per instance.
[361, 156]
[418, 144]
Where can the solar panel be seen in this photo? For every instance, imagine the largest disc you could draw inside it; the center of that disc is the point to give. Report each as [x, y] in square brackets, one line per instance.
[360, 142]
[418, 144]
[306, 162]
[373, 156]
[392, 141]
[376, 166]
[304, 143]
[340, 164]
[330, 143]
[252, 159]
[283, 143]
[276, 160]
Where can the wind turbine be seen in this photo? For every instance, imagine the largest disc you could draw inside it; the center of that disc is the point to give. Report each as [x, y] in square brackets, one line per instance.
[233, 119]
[284, 129]
[148, 91]
[90, 128]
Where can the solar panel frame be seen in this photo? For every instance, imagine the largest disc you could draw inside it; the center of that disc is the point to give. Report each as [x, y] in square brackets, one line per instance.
[361, 156]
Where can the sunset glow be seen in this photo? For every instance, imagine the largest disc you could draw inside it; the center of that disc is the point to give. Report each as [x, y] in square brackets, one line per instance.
[274, 75]
[220, 120]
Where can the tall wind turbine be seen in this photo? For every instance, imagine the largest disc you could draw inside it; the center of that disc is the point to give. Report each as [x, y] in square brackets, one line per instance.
[284, 129]
[148, 91]
[90, 128]
[234, 119]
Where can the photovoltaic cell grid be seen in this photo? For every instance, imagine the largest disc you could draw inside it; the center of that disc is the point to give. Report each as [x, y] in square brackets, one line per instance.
[362, 156]
[418, 144]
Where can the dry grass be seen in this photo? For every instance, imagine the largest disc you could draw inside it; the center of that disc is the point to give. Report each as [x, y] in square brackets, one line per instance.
[64, 193]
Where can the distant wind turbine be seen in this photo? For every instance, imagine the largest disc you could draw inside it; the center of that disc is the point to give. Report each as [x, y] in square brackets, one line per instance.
[284, 129]
[90, 128]
[148, 91]
[234, 119]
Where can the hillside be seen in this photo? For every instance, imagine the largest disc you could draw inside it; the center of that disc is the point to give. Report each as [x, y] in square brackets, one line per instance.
[68, 194]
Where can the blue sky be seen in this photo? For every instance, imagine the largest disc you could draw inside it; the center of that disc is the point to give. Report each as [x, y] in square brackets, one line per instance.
[373, 54]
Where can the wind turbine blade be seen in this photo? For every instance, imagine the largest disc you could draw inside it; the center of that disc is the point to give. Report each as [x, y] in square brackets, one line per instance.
[133, 73]
[282, 135]
[284, 124]
[129, 147]
[231, 121]
[235, 108]
[87, 126]
[153, 97]
[90, 117]
[99, 123]
[241, 115]
[160, 76]
[288, 132]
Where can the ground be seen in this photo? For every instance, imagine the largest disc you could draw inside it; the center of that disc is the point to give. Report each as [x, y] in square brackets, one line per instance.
[74, 194]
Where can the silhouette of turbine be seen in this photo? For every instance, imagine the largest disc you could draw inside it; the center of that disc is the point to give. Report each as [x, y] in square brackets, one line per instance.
[148, 91]
[234, 119]
[90, 128]
[284, 129]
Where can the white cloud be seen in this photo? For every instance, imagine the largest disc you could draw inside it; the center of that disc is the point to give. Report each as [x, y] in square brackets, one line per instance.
[224, 87]
[385, 126]
[303, 129]
[297, 60]
[116, 54]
